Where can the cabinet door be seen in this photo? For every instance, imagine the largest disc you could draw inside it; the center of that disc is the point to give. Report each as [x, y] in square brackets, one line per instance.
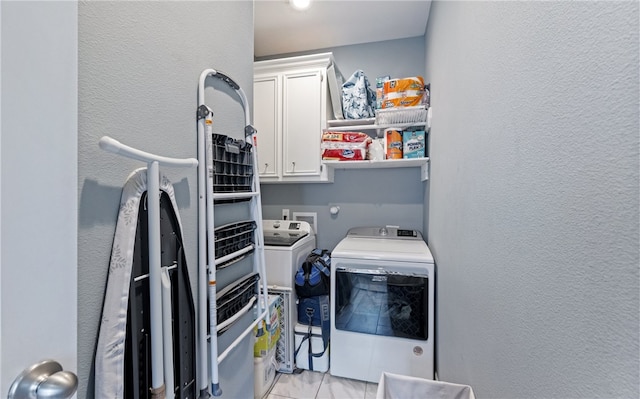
[303, 119]
[266, 120]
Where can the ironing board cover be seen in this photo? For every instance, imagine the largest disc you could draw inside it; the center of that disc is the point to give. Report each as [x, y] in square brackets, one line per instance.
[110, 351]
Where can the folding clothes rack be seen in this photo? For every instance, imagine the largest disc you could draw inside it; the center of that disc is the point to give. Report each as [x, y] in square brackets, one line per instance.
[162, 368]
[239, 184]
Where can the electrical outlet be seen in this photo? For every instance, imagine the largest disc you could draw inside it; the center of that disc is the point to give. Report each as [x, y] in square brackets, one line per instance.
[285, 214]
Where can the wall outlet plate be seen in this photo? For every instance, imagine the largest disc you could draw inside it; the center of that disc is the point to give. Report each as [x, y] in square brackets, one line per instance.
[309, 217]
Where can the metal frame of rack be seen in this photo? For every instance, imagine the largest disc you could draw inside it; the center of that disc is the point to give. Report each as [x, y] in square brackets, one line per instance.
[225, 174]
[284, 347]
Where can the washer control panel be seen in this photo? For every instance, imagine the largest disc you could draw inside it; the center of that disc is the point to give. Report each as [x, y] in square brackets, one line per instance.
[284, 225]
[407, 233]
[284, 232]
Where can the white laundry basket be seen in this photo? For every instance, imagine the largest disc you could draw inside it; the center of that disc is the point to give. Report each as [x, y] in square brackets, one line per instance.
[394, 386]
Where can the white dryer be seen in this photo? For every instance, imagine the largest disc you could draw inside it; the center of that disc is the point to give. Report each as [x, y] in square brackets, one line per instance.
[382, 304]
[286, 245]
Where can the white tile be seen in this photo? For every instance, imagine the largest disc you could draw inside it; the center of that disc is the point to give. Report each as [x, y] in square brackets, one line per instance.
[272, 396]
[371, 391]
[298, 386]
[341, 388]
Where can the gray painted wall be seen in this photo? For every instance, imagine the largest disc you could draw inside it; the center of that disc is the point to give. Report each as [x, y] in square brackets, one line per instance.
[374, 197]
[533, 214]
[139, 64]
[38, 194]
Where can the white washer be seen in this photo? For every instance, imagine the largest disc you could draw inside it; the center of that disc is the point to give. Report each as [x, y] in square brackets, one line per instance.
[286, 245]
[382, 304]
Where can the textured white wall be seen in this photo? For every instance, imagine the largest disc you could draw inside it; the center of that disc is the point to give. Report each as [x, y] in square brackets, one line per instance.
[533, 215]
[139, 64]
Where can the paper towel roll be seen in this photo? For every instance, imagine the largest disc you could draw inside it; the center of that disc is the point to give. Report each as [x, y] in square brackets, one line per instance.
[393, 139]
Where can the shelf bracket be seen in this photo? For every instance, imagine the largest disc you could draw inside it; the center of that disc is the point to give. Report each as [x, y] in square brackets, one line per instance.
[424, 172]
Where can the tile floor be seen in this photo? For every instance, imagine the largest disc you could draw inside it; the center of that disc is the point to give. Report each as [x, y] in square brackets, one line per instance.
[314, 385]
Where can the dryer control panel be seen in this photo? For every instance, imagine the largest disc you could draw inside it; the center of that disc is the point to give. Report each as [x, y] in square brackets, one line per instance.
[388, 232]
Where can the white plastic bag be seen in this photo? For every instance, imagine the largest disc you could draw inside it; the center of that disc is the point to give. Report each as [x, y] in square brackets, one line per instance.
[358, 99]
[376, 150]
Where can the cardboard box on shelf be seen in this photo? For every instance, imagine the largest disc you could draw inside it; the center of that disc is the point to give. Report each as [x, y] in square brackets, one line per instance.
[414, 144]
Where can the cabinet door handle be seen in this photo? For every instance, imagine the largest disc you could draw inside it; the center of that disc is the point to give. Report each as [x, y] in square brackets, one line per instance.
[266, 166]
[293, 168]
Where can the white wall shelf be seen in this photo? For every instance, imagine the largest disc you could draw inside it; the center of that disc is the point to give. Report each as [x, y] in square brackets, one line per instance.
[422, 163]
[339, 127]
[399, 118]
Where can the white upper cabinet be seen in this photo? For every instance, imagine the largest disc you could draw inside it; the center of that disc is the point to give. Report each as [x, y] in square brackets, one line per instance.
[291, 106]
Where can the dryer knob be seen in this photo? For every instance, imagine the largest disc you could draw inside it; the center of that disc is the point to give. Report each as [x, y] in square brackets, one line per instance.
[383, 231]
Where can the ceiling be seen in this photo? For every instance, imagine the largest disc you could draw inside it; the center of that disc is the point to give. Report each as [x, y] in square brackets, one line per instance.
[279, 29]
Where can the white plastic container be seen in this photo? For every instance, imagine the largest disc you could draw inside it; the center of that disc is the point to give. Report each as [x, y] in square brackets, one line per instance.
[264, 373]
[320, 363]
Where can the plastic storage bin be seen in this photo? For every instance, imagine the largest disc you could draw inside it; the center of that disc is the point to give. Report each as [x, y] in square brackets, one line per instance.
[231, 299]
[233, 237]
[320, 363]
[394, 386]
[232, 165]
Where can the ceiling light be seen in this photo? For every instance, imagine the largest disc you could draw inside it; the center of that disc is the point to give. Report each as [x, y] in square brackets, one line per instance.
[300, 4]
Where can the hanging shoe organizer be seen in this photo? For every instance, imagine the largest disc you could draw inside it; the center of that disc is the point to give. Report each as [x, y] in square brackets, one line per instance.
[226, 175]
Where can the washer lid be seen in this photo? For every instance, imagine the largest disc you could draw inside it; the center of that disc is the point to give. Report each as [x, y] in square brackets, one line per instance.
[284, 233]
[388, 249]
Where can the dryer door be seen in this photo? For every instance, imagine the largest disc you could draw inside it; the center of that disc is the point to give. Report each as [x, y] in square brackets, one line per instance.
[381, 302]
